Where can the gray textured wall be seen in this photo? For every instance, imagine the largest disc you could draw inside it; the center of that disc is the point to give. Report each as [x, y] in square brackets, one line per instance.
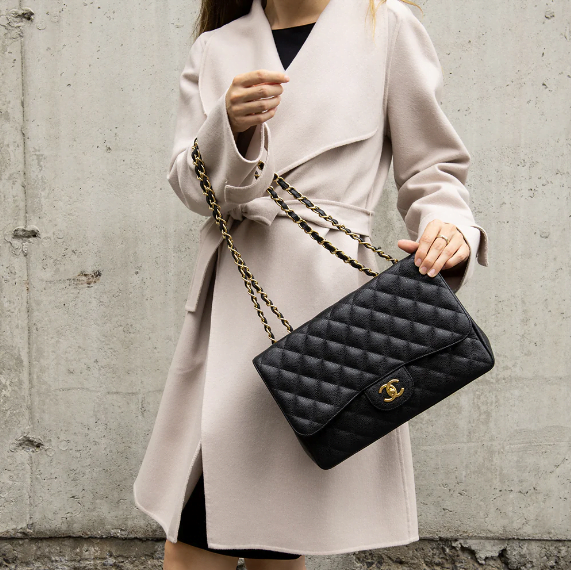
[98, 251]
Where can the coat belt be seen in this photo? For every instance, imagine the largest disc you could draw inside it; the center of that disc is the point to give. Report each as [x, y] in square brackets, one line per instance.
[264, 210]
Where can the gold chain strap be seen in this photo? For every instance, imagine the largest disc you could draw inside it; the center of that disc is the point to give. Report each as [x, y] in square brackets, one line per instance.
[307, 229]
[247, 276]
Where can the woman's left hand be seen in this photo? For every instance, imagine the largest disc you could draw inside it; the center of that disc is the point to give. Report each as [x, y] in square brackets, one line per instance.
[434, 254]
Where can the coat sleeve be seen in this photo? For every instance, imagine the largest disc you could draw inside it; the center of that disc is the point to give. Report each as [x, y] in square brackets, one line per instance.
[231, 174]
[430, 162]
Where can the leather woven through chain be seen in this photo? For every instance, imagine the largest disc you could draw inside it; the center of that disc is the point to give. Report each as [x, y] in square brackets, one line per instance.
[330, 376]
[249, 280]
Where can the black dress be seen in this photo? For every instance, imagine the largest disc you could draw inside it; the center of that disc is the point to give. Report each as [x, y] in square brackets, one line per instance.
[192, 529]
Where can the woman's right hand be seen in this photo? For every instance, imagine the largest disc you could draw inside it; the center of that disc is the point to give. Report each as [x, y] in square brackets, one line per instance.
[253, 98]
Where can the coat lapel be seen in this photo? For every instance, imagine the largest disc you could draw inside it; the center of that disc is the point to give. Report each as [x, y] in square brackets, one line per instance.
[334, 96]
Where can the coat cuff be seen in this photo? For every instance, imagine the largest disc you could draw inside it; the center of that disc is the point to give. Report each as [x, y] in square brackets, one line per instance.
[252, 187]
[231, 174]
[477, 239]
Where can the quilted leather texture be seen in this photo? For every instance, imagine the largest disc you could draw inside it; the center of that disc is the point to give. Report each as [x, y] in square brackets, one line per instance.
[331, 376]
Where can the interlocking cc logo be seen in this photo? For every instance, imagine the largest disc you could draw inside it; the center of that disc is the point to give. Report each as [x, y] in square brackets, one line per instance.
[391, 390]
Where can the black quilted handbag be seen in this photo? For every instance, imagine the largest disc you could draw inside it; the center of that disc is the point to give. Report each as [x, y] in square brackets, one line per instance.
[370, 362]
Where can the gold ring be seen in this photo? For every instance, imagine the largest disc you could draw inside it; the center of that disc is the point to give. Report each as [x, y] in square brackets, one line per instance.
[444, 237]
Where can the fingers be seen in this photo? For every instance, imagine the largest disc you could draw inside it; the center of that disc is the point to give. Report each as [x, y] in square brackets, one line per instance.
[433, 253]
[260, 76]
[427, 239]
[257, 99]
[408, 245]
[253, 98]
[454, 248]
[459, 257]
[265, 110]
[255, 92]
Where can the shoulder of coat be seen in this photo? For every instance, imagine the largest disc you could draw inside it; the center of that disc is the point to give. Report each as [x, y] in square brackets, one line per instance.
[400, 13]
[204, 37]
[400, 10]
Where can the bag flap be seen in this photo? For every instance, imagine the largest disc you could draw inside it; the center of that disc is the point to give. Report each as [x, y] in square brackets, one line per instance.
[397, 317]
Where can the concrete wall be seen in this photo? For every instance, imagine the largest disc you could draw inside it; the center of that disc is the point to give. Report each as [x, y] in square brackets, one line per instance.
[98, 251]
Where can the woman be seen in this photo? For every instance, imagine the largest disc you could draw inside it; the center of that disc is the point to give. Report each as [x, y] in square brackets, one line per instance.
[355, 96]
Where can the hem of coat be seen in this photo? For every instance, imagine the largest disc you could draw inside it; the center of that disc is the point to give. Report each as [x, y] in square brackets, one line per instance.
[147, 512]
[175, 530]
[303, 552]
[174, 537]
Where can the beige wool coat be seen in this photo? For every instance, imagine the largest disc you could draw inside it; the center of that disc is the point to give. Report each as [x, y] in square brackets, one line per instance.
[352, 104]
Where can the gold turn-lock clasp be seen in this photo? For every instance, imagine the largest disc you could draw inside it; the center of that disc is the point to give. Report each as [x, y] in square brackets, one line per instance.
[391, 390]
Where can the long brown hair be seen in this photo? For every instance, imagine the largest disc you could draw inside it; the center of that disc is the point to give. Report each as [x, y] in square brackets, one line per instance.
[215, 13]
